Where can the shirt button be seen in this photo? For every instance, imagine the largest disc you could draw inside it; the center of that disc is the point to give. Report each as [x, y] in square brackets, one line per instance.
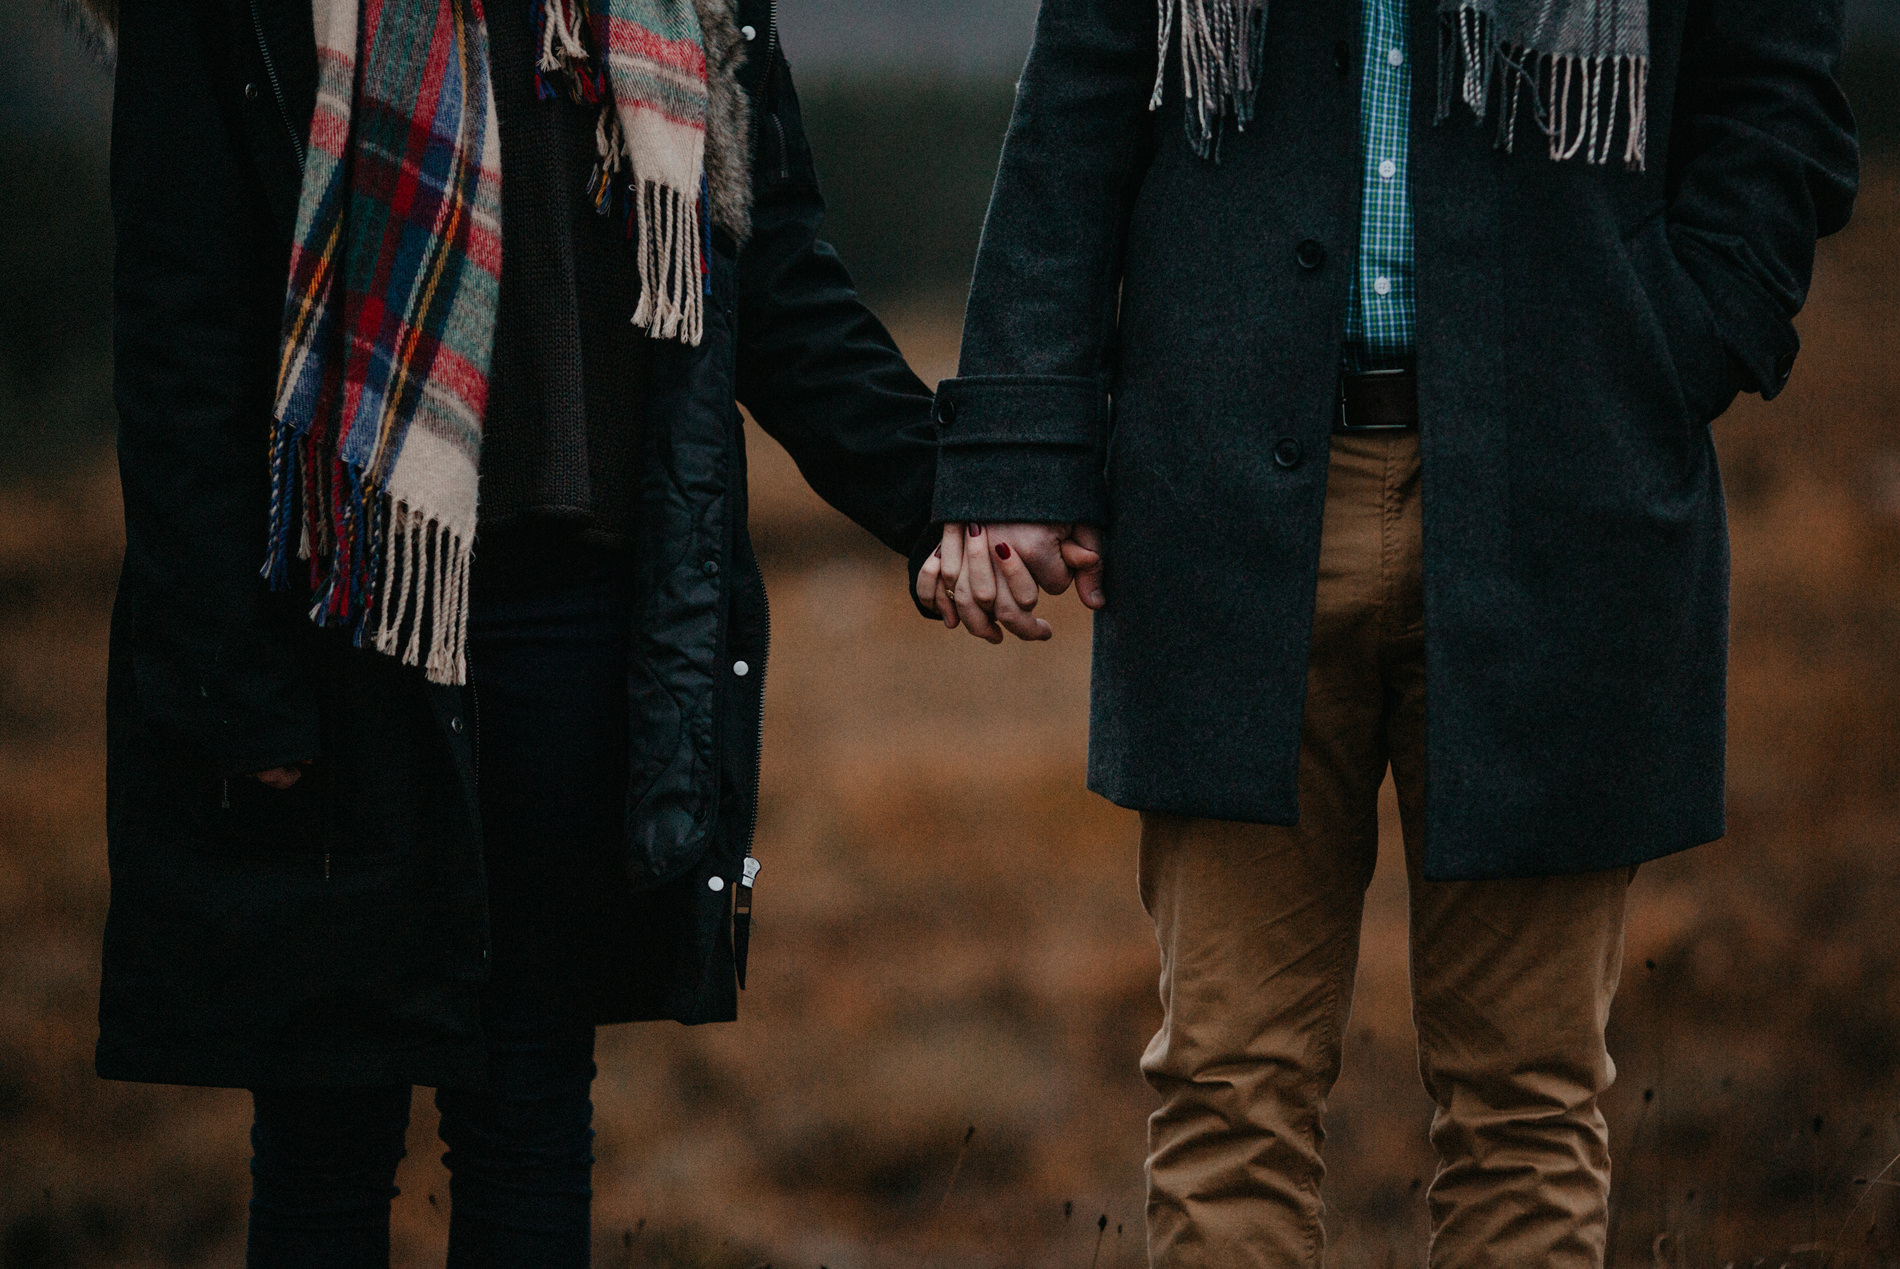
[1287, 453]
[741, 669]
[1310, 254]
[1395, 57]
[1388, 169]
[1382, 286]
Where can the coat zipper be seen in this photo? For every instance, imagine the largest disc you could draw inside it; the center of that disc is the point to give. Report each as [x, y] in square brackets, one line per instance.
[765, 657]
[771, 57]
[276, 86]
[771, 36]
[475, 726]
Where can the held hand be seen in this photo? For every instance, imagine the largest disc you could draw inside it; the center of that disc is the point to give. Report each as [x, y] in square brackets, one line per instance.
[991, 578]
[279, 778]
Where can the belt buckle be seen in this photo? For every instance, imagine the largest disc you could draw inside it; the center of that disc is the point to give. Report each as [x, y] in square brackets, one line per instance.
[1345, 424]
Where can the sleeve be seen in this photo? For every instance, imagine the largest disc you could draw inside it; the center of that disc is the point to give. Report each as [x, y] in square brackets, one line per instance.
[222, 667]
[1763, 162]
[815, 367]
[1024, 425]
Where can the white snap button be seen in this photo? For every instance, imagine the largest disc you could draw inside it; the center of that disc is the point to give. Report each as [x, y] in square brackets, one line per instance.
[715, 884]
[1395, 57]
[1388, 169]
[1382, 286]
[750, 33]
[741, 669]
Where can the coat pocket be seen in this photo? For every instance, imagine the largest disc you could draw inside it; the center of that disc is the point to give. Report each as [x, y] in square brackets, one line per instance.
[259, 824]
[1705, 375]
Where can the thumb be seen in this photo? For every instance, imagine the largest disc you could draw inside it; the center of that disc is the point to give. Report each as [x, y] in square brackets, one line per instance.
[1083, 553]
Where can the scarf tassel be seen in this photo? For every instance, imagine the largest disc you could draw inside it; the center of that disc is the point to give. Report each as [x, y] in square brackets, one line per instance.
[391, 575]
[1588, 107]
[1223, 53]
[667, 243]
[671, 229]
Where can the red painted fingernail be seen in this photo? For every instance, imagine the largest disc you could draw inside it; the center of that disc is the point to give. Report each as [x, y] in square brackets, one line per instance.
[936, 552]
[1002, 550]
[976, 530]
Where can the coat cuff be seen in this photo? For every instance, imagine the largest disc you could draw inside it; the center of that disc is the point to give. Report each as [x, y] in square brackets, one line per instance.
[1755, 330]
[1023, 448]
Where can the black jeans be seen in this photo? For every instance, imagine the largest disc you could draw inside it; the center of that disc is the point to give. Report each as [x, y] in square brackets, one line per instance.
[547, 660]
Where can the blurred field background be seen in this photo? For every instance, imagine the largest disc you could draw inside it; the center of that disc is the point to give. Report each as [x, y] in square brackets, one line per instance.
[949, 937]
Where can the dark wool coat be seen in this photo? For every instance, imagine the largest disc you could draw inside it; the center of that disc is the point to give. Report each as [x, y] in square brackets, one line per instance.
[337, 934]
[1152, 344]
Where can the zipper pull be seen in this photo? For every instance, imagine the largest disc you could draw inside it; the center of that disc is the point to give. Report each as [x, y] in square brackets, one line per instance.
[742, 919]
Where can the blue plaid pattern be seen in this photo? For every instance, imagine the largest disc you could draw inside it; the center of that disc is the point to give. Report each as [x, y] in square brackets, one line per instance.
[1382, 322]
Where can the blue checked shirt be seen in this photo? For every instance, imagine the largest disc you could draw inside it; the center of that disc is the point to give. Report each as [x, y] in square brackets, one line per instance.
[1382, 321]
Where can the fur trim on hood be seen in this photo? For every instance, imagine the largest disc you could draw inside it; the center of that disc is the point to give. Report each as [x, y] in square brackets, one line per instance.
[96, 21]
[728, 119]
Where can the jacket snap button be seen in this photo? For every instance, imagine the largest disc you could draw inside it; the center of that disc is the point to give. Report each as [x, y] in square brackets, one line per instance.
[715, 884]
[741, 669]
[1287, 453]
[1311, 254]
[750, 33]
[250, 92]
[456, 725]
[711, 568]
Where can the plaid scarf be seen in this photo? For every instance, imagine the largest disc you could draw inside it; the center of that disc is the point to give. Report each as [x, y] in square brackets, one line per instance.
[395, 270]
[1581, 65]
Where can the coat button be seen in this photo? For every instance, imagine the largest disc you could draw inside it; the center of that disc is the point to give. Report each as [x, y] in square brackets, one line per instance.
[1287, 453]
[456, 725]
[250, 92]
[710, 568]
[947, 413]
[1311, 254]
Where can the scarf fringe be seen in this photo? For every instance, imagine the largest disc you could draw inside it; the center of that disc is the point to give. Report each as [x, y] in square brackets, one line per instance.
[671, 229]
[392, 575]
[1223, 50]
[668, 238]
[1582, 104]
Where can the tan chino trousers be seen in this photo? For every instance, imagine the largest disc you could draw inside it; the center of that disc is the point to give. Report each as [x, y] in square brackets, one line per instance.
[1259, 934]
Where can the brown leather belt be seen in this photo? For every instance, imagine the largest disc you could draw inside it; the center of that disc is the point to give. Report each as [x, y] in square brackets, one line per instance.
[1377, 401]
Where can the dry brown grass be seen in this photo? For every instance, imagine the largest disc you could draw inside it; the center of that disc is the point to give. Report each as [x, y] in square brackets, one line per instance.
[949, 933]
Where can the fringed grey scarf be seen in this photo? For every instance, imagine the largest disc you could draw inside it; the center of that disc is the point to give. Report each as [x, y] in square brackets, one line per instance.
[1581, 65]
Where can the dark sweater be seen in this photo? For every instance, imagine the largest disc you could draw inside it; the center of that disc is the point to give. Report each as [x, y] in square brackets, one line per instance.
[561, 438]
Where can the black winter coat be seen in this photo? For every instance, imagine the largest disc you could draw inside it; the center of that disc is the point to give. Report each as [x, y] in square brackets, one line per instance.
[1153, 342]
[338, 934]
